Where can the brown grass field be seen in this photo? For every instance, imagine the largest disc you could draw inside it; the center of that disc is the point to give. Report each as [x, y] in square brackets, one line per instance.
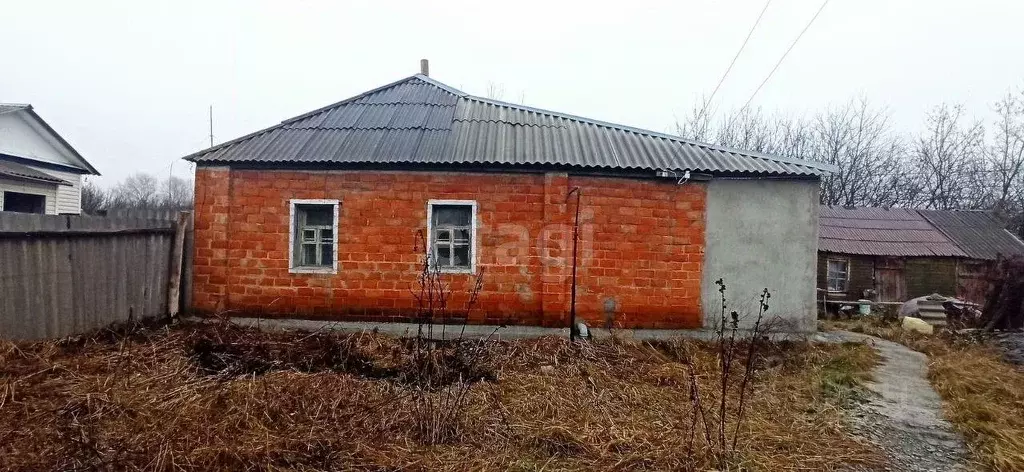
[983, 396]
[217, 397]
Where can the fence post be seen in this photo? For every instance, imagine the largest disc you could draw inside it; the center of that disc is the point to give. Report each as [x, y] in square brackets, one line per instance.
[177, 252]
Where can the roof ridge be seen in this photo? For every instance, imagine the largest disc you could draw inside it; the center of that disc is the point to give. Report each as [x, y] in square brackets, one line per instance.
[346, 101]
[656, 134]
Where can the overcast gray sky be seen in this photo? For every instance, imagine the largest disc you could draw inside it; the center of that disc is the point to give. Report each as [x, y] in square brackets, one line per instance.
[128, 83]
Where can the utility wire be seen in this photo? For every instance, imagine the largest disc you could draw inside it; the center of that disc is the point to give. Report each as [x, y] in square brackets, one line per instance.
[777, 64]
[728, 69]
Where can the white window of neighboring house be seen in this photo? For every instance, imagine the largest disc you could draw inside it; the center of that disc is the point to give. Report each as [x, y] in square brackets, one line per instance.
[451, 226]
[313, 243]
[838, 274]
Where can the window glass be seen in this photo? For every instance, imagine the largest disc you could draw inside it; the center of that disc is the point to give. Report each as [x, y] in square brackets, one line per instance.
[452, 215]
[309, 255]
[837, 273]
[444, 256]
[314, 235]
[452, 243]
[461, 256]
[319, 215]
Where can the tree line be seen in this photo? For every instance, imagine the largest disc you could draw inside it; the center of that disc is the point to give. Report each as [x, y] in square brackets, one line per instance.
[138, 191]
[955, 162]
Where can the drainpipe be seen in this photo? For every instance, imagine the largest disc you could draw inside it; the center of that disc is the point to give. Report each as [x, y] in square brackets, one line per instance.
[575, 242]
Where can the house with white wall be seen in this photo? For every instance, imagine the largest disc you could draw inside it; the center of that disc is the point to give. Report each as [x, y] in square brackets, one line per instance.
[39, 171]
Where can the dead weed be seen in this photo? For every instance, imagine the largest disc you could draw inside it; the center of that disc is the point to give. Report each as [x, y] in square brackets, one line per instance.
[201, 397]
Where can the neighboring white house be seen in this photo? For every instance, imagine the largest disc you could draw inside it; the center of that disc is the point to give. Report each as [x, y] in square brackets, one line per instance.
[39, 171]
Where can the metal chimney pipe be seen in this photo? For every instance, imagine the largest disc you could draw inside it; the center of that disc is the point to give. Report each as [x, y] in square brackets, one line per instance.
[425, 67]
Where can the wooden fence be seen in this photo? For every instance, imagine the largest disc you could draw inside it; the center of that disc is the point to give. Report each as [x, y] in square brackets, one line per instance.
[64, 275]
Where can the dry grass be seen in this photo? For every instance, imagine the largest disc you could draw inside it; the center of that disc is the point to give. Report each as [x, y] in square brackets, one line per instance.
[213, 397]
[983, 395]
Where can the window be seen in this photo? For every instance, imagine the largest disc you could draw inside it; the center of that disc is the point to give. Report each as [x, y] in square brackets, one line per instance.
[451, 225]
[24, 202]
[838, 275]
[314, 226]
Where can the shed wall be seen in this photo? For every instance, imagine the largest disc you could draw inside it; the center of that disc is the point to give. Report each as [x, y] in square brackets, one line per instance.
[862, 275]
[928, 275]
[923, 275]
[36, 188]
[762, 234]
[68, 197]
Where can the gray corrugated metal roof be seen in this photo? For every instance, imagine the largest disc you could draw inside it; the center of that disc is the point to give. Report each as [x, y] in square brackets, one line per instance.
[418, 120]
[978, 233]
[881, 232]
[19, 171]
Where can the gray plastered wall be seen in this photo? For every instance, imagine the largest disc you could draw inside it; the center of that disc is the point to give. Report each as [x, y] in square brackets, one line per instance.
[762, 233]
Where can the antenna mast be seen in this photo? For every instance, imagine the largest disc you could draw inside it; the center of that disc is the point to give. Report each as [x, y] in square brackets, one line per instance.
[211, 125]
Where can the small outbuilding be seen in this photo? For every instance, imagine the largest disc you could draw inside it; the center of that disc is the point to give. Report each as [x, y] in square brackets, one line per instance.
[331, 215]
[896, 254]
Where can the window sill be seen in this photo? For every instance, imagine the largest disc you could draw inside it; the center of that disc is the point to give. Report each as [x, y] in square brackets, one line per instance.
[455, 271]
[312, 270]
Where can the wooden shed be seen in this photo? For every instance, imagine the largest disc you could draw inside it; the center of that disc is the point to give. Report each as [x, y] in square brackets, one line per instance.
[895, 254]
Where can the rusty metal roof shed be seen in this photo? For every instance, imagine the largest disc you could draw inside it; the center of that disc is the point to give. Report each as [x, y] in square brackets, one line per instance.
[881, 232]
[420, 121]
[978, 233]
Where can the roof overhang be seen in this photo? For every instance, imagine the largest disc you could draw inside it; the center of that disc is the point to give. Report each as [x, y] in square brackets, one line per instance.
[16, 171]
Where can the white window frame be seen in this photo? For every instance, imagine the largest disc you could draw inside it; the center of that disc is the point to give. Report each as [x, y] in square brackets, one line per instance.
[847, 280]
[292, 268]
[472, 235]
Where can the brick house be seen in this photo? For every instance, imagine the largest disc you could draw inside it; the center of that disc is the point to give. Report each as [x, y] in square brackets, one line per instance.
[896, 254]
[330, 215]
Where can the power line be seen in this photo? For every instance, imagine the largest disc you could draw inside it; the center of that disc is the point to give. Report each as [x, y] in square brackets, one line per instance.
[777, 64]
[727, 69]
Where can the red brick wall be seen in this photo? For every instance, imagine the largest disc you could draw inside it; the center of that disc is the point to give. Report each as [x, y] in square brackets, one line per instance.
[640, 255]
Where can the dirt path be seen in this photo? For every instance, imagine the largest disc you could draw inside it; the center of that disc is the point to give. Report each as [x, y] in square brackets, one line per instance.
[905, 418]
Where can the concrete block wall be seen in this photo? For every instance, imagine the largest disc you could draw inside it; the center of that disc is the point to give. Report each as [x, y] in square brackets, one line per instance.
[640, 256]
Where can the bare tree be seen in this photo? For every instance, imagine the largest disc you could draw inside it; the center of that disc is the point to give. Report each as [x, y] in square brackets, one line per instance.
[94, 198]
[137, 191]
[950, 165]
[949, 159]
[1005, 159]
[698, 125]
[858, 140]
[750, 130]
[145, 191]
[177, 193]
